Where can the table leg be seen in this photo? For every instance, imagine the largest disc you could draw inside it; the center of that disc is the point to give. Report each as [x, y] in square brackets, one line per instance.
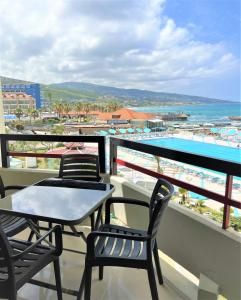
[98, 217]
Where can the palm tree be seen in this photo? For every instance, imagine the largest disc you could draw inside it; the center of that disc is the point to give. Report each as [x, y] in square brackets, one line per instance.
[58, 107]
[79, 108]
[183, 193]
[35, 114]
[67, 108]
[158, 160]
[18, 113]
[86, 108]
[112, 106]
[29, 113]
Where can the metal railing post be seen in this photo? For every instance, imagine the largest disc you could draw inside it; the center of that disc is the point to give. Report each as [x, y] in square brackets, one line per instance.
[113, 156]
[102, 154]
[228, 195]
[4, 152]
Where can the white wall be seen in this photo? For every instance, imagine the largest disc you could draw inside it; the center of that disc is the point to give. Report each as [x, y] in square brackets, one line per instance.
[193, 241]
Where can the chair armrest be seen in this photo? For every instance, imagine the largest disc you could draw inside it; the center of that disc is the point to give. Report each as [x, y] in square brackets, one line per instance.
[94, 234]
[58, 243]
[121, 200]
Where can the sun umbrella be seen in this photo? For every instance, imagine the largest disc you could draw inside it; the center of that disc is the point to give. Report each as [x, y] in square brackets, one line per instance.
[122, 130]
[147, 130]
[130, 130]
[103, 132]
[139, 130]
[223, 130]
[112, 131]
[232, 132]
[214, 130]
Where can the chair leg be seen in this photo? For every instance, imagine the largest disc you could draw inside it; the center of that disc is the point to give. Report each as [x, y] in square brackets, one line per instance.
[50, 236]
[152, 282]
[30, 236]
[101, 272]
[157, 262]
[81, 288]
[92, 221]
[13, 296]
[58, 279]
[88, 273]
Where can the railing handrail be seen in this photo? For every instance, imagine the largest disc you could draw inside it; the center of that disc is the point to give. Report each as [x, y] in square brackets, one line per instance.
[52, 138]
[206, 162]
[5, 138]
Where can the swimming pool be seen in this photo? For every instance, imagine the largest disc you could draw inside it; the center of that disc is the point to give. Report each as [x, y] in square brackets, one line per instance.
[211, 150]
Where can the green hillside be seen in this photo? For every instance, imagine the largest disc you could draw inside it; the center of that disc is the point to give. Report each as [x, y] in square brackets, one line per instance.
[74, 91]
[65, 94]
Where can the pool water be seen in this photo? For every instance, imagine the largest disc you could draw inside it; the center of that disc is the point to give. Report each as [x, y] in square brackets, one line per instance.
[211, 150]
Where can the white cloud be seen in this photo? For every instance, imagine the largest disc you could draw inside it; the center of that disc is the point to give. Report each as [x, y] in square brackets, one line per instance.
[125, 43]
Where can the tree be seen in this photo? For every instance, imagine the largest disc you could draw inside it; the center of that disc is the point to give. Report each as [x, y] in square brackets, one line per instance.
[32, 113]
[113, 106]
[79, 108]
[86, 108]
[67, 108]
[18, 113]
[29, 113]
[158, 160]
[183, 192]
[58, 107]
[35, 114]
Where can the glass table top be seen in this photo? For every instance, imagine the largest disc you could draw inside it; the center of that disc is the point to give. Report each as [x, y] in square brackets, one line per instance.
[59, 203]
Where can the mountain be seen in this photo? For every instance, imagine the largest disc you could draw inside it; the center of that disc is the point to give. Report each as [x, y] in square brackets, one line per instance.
[50, 93]
[73, 91]
[8, 80]
[131, 94]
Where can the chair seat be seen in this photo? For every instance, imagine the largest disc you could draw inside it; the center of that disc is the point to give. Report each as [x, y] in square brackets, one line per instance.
[12, 224]
[109, 247]
[28, 265]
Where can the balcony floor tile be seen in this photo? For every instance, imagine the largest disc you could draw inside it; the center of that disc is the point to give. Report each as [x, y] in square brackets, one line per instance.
[118, 283]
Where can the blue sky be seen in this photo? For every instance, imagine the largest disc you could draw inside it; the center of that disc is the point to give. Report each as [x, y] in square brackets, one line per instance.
[180, 46]
[212, 21]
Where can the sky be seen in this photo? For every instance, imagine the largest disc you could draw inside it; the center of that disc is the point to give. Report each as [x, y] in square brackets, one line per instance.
[179, 46]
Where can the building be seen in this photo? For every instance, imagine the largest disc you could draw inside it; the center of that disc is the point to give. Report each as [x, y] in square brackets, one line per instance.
[156, 124]
[12, 101]
[123, 116]
[32, 89]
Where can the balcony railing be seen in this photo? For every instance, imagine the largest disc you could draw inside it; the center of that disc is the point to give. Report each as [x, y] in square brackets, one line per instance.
[230, 169]
[6, 153]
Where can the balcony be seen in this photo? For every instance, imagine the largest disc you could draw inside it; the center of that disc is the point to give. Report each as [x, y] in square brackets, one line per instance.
[191, 246]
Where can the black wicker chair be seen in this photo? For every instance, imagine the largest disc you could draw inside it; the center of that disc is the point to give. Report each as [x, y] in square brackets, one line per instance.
[21, 260]
[125, 247]
[11, 225]
[80, 167]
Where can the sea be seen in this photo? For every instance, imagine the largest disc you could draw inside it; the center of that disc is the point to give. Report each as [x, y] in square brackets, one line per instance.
[199, 113]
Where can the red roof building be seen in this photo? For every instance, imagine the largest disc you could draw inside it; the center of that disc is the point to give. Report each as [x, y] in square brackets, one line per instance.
[125, 114]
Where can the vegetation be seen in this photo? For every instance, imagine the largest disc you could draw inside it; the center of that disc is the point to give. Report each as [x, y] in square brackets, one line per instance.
[200, 207]
[184, 193]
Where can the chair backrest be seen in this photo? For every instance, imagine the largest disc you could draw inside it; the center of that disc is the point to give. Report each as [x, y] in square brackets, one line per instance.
[80, 167]
[7, 281]
[162, 193]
